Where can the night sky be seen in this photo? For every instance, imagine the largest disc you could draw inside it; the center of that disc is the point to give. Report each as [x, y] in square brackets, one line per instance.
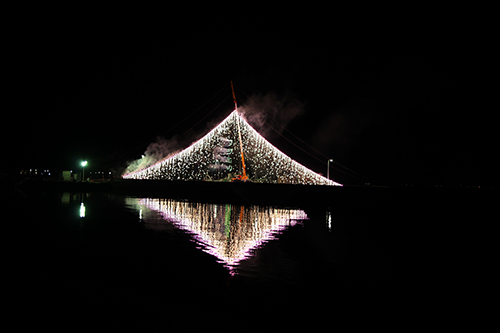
[396, 102]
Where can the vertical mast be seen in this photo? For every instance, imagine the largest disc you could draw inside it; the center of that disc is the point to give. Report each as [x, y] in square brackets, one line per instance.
[244, 176]
[234, 97]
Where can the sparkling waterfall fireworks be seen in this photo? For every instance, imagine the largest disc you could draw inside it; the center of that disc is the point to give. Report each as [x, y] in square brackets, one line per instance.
[217, 155]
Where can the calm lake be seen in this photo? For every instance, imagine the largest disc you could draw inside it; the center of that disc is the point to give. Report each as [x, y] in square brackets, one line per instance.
[104, 261]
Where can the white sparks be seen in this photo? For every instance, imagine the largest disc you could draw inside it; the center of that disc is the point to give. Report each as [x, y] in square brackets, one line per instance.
[264, 162]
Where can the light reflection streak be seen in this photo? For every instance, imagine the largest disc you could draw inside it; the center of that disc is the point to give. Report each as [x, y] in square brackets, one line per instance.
[329, 220]
[82, 210]
[228, 232]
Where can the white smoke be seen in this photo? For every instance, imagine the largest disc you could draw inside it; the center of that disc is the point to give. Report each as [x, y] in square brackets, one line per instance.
[154, 153]
[261, 110]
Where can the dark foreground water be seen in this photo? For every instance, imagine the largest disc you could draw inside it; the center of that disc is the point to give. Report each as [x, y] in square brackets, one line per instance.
[102, 261]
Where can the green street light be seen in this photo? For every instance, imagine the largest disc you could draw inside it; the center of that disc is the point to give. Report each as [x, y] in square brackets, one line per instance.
[84, 163]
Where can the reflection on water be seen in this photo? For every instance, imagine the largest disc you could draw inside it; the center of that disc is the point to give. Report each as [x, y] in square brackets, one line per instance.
[82, 210]
[68, 198]
[230, 233]
[329, 220]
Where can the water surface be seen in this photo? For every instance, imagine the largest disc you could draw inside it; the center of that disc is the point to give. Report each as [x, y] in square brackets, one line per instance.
[143, 262]
[228, 232]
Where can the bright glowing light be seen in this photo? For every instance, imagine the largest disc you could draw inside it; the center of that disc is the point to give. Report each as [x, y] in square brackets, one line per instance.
[84, 163]
[264, 162]
[228, 232]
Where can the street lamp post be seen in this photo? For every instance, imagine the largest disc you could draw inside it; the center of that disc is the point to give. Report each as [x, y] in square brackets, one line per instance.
[328, 169]
[84, 163]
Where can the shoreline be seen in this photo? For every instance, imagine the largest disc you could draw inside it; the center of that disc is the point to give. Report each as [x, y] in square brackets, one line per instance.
[329, 197]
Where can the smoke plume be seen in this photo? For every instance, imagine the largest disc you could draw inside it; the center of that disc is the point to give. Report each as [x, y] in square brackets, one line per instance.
[154, 153]
[261, 111]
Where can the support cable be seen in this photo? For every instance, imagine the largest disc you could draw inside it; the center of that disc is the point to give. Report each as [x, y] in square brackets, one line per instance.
[215, 108]
[305, 151]
[128, 151]
[192, 113]
[353, 173]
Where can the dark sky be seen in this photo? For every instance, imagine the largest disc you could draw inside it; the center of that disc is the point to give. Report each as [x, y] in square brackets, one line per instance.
[395, 101]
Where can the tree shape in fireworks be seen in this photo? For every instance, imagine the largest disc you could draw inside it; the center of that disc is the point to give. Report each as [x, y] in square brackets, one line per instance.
[217, 155]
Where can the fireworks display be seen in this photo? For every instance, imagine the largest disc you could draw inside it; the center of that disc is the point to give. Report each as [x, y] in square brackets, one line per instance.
[217, 156]
[228, 232]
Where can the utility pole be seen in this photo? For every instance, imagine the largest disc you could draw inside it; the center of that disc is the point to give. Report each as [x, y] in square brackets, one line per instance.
[328, 169]
[84, 163]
